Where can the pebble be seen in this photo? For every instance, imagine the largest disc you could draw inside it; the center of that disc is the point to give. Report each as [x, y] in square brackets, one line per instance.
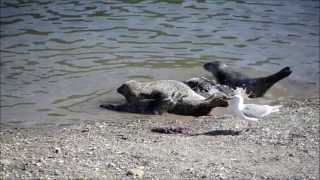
[56, 173]
[111, 164]
[85, 130]
[57, 150]
[5, 162]
[137, 172]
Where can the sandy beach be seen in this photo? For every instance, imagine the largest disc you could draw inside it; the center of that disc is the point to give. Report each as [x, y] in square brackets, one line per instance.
[284, 145]
[61, 60]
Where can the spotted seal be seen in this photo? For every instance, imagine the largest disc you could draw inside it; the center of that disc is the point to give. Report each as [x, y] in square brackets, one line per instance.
[206, 87]
[156, 97]
[155, 103]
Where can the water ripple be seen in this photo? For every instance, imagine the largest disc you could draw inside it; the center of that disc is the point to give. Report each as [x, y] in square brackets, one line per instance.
[61, 41]
[67, 53]
[33, 15]
[52, 12]
[17, 46]
[13, 52]
[71, 54]
[264, 4]
[96, 30]
[11, 21]
[72, 101]
[17, 104]
[102, 13]
[28, 32]
[254, 39]
[65, 63]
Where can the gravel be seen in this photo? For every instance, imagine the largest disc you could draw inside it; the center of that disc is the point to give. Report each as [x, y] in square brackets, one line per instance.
[284, 145]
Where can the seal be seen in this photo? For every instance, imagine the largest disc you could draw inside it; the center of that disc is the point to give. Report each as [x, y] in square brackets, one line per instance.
[134, 90]
[255, 87]
[206, 87]
[158, 103]
[199, 107]
[157, 97]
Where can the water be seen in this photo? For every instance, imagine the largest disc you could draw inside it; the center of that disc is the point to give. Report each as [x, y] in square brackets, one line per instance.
[61, 59]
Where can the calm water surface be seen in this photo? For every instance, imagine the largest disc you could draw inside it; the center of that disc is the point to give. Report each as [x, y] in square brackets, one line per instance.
[60, 59]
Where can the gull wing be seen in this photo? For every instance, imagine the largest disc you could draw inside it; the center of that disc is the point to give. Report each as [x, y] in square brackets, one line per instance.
[256, 110]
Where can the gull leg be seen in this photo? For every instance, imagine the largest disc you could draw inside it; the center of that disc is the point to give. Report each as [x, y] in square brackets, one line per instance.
[242, 124]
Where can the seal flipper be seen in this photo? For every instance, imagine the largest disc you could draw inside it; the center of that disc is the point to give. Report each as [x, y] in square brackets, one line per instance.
[215, 100]
[110, 106]
[161, 103]
[155, 103]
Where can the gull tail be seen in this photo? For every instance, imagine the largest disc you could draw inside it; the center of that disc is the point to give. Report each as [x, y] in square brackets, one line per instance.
[276, 108]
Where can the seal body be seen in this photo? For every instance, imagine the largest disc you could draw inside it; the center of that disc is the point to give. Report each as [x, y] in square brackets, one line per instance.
[156, 97]
[158, 104]
[134, 90]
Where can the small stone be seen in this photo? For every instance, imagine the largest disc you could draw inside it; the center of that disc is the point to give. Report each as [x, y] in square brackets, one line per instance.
[85, 130]
[24, 167]
[5, 162]
[38, 164]
[56, 173]
[57, 150]
[203, 176]
[137, 172]
[123, 137]
[111, 165]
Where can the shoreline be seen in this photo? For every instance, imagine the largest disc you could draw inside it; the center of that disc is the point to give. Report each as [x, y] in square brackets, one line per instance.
[284, 145]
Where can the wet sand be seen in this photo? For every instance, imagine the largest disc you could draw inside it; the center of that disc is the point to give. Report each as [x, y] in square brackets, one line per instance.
[284, 145]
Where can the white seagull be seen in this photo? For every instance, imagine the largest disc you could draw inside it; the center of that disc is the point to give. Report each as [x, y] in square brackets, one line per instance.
[249, 112]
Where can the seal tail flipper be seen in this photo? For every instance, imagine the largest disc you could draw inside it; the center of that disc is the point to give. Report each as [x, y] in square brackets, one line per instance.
[272, 79]
[265, 83]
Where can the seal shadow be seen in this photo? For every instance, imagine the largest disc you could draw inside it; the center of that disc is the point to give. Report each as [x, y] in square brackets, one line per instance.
[227, 132]
[188, 131]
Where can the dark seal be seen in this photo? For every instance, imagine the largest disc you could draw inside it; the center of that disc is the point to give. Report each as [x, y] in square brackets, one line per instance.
[255, 87]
